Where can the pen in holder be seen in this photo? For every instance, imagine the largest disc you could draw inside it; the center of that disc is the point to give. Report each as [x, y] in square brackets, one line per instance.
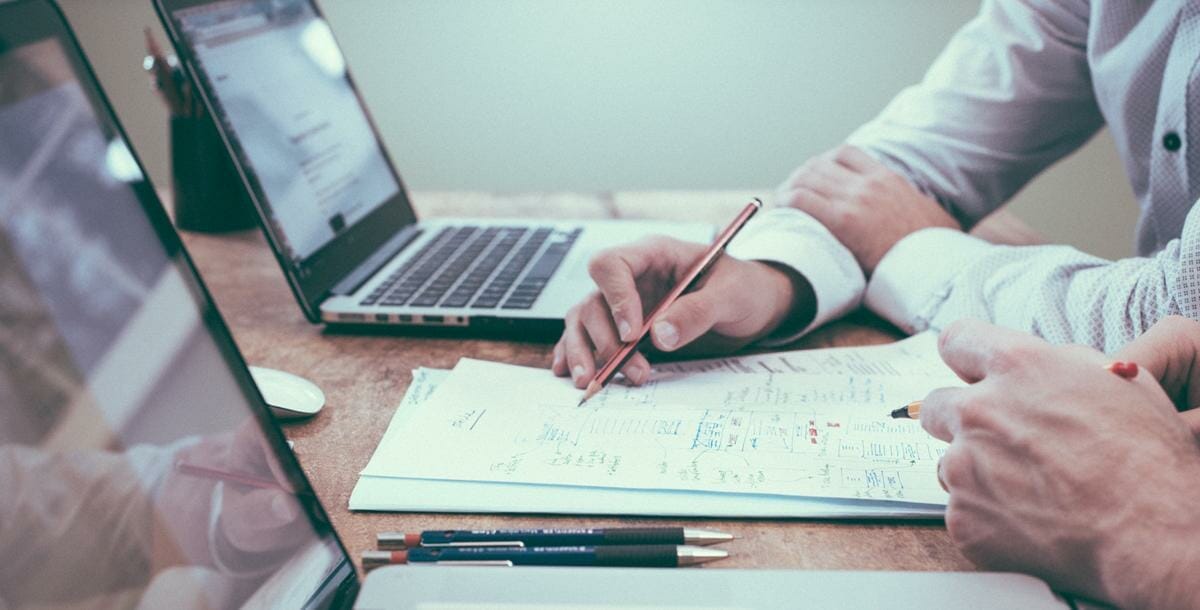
[208, 194]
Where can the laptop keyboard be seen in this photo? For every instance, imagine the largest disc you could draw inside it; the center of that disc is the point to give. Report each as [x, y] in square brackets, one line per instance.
[496, 267]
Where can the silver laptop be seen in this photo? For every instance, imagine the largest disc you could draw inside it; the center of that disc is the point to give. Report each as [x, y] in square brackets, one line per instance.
[139, 467]
[332, 204]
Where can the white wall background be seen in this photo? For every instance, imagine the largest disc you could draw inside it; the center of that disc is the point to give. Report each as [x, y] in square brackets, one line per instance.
[532, 95]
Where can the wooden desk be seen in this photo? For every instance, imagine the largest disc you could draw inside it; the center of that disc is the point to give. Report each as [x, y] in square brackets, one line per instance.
[364, 378]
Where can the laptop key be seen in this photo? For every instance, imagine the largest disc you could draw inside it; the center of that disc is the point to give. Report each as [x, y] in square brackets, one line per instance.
[456, 300]
[517, 304]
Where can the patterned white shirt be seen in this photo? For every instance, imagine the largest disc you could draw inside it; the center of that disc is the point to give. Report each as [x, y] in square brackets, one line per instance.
[1019, 87]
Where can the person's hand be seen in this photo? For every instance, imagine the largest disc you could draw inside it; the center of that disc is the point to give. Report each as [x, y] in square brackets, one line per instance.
[867, 207]
[253, 520]
[739, 301]
[1170, 353]
[256, 526]
[1059, 468]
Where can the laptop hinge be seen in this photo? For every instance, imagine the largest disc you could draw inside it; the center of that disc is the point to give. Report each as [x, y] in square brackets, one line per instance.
[382, 256]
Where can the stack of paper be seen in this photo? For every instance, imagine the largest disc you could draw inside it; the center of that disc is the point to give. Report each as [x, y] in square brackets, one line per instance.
[795, 434]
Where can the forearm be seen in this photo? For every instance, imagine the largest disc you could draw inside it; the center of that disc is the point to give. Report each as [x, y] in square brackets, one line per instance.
[1009, 96]
[934, 277]
[826, 280]
[1147, 567]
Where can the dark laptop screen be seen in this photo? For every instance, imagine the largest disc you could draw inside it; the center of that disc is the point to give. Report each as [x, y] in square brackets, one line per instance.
[280, 81]
[136, 465]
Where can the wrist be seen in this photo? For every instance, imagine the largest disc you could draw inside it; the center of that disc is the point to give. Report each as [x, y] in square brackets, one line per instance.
[1158, 574]
[792, 297]
[1152, 559]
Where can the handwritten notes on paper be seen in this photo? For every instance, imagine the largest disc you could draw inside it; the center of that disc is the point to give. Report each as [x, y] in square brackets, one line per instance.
[806, 423]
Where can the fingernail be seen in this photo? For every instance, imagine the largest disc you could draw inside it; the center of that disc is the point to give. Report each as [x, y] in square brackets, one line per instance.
[281, 506]
[577, 371]
[625, 330]
[666, 334]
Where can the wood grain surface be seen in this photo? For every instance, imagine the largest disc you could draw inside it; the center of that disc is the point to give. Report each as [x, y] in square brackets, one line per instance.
[365, 376]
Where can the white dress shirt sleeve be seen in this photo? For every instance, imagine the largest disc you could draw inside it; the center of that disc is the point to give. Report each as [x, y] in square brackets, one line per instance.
[791, 238]
[936, 276]
[1010, 94]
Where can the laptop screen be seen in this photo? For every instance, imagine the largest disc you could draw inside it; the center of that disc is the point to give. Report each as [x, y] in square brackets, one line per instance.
[278, 85]
[137, 464]
[281, 81]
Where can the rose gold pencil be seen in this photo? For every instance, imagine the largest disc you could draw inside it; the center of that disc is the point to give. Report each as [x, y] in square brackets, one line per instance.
[689, 279]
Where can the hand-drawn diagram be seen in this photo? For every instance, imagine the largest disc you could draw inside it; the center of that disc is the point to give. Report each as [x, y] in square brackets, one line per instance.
[805, 434]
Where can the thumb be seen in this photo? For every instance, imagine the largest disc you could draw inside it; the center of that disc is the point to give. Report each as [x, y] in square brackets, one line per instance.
[1169, 352]
[689, 317]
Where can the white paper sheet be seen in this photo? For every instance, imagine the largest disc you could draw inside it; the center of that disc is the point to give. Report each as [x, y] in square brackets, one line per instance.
[377, 493]
[424, 496]
[815, 426]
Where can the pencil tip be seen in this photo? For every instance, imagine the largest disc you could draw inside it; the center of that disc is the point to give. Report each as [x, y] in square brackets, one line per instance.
[901, 413]
[590, 391]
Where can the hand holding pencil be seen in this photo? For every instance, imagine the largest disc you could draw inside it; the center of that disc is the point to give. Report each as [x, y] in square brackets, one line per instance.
[1063, 461]
[735, 303]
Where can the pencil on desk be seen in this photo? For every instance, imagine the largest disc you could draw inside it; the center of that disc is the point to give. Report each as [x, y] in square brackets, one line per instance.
[587, 536]
[689, 279]
[650, 556]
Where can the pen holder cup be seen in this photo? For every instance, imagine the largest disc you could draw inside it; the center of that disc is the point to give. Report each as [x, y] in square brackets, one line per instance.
[209, 195]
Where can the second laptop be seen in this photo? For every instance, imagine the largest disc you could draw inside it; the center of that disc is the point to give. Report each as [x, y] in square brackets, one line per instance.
[334, 208]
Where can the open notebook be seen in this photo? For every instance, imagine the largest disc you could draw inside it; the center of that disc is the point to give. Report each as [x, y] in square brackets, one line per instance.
[793, 434]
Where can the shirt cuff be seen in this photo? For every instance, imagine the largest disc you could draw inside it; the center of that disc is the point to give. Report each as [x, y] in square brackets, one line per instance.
[789, 237]
[916, 276]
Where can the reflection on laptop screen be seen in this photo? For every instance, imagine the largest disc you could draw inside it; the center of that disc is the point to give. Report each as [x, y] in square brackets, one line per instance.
[120, 415]
[282, 93]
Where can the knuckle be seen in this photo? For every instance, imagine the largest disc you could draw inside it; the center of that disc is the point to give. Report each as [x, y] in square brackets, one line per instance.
[1011, 358]
[595, 319]
[876, 187]
[660, 242]
[603, 263]
[975, 414]
[801, 200]
[954, 468]
[845, 215]
[956, 521]
[572, 317]
[953, 331]
[856, 191]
